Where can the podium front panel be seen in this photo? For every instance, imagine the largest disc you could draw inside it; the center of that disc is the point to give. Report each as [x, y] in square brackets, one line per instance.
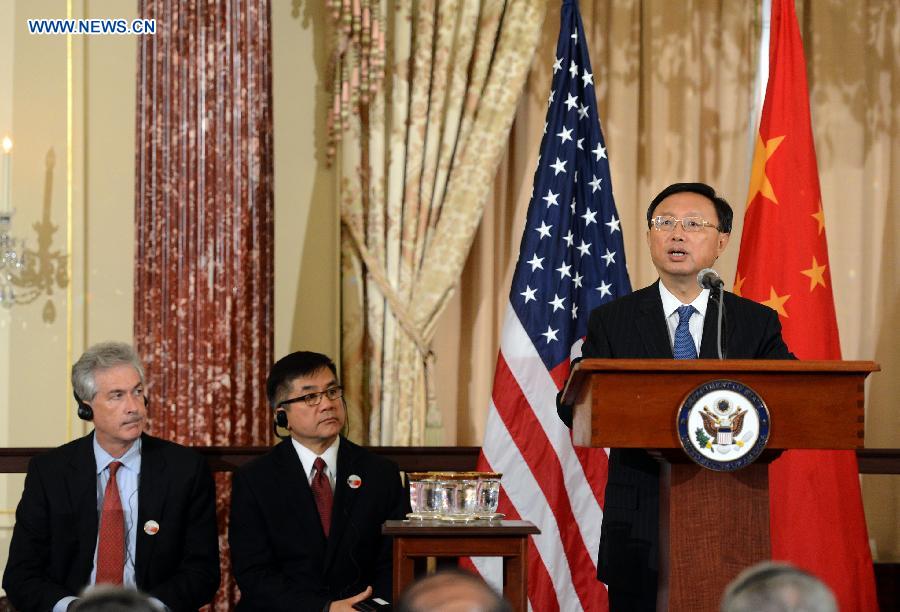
[635, 407]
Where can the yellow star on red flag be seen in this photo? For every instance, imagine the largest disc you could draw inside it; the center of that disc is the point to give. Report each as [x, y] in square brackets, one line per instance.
[816, 274]
[738, 283]
[759, 182]
[776, 302]
[820, 217]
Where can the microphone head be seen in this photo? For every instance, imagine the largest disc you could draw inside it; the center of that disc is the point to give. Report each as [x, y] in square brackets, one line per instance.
[708, 278]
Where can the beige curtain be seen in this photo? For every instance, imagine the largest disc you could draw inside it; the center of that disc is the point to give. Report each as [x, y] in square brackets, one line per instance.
[675, 85]
[416, 166]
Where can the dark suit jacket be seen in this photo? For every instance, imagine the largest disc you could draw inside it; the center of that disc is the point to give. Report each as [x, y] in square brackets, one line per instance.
[634, 327]
[280, 556]
[52, 550]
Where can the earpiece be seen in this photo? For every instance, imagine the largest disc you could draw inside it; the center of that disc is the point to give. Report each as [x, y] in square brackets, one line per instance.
[281, 418]
[85, 412]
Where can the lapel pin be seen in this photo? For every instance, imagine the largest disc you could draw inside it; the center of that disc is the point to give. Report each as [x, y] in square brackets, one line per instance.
[151, 527]
[354, 481]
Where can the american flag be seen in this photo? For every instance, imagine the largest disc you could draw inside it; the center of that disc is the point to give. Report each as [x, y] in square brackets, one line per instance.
[571, 260]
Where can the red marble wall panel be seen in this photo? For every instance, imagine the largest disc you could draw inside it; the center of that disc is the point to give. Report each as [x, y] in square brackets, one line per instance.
[203, 307]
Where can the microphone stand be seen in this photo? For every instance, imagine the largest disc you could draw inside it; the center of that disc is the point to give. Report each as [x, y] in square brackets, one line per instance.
[709, 279]
[719, 318]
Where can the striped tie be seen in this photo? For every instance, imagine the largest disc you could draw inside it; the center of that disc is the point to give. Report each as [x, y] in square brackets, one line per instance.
[684, 344]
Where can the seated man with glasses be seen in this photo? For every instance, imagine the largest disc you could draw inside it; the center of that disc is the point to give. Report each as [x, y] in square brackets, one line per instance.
[306, 517]
[688, 227]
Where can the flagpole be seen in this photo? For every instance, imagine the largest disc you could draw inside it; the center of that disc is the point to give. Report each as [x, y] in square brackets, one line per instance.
[762, 76]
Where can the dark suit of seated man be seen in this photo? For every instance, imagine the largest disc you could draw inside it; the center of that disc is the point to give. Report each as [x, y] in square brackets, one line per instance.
[306, 517]
[116, 506]
[688, 228]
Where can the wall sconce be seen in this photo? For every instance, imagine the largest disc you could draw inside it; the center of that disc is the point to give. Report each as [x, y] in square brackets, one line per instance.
[27, 274]
[12, 250]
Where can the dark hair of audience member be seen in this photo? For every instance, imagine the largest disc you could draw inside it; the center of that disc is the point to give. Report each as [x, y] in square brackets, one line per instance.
[291, 367]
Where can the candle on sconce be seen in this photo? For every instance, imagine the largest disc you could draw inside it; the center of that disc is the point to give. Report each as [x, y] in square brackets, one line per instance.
[7, 163]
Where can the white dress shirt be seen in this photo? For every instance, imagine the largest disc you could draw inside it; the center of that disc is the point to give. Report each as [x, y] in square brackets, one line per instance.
[307, 458]
[670, 305]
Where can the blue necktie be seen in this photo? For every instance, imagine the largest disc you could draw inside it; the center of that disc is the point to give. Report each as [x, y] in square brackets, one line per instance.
[684, 345]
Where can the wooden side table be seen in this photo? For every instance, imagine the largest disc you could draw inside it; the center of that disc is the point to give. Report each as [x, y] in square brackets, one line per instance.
[422, 539]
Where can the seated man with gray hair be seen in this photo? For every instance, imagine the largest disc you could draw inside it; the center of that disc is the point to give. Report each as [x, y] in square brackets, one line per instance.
[116, 506]
[777, 587]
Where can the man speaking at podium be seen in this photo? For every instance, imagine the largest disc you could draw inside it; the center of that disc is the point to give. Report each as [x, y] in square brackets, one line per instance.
[688, 227]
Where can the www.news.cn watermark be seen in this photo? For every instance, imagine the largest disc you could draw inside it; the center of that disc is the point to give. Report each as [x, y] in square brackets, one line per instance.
[92, 26]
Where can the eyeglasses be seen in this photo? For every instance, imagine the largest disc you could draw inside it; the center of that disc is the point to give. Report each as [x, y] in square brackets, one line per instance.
[314, 399]
[666, 223]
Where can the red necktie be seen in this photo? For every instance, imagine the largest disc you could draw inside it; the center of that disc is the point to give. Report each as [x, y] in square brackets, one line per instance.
[321, 490]
[111, 547]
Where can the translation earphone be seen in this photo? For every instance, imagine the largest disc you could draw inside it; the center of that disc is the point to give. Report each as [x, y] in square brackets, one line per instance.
[281, 418]
[86, 413]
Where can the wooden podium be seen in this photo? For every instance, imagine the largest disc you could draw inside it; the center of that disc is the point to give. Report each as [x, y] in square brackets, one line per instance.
[713, 524]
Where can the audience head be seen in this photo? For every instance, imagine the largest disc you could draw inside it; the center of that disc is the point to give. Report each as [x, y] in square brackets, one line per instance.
[306, 395]
[107, 598]
[108, 383]
[451, 591]
[777, 587]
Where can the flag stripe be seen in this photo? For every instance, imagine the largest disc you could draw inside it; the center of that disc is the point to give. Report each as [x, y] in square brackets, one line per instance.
[545, 446]
[535, 450]
[520, 486]
[540, 586]
[540, 391]
[595, 464]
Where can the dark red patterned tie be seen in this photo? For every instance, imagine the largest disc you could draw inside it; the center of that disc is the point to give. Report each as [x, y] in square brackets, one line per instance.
[322, 493]
[111, 547]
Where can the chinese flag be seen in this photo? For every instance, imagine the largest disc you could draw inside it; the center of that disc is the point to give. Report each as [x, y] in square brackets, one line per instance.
[817, 520]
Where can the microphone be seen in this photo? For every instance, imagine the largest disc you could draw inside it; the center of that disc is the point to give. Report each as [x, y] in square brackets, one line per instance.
[708, 278]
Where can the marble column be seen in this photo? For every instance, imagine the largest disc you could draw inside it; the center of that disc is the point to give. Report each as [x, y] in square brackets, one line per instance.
[203, 302]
